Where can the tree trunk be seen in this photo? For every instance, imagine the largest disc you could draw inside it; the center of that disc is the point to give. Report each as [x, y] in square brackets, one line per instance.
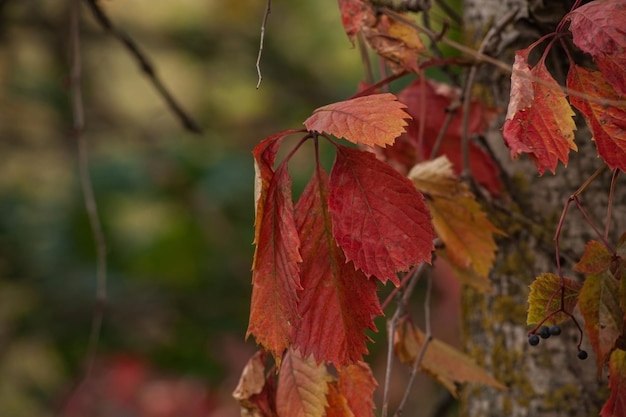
[549, 379]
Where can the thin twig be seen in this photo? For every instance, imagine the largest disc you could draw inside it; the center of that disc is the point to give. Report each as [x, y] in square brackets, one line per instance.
[609, 208]
[469, 85]
[420, 357]
[268, 8]
[500, 64]
[90, 201]
[391, 329]
[91, 207]
[144, 63]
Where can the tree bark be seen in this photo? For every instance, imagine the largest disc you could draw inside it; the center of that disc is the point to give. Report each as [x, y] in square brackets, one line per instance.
[549, 379]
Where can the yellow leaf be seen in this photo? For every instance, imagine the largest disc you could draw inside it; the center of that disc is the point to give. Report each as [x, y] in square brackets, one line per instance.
[302, 387]
[447, 365]
[458, 219]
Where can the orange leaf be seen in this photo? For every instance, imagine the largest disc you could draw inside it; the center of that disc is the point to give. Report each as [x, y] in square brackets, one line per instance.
[377, 119]
[458, 219]
[275, 275]
[598, 29]
[337, 404]
[595, 259]
[604, 318]
[543, 126]
[615, 406]
[379, 219]
[446, 364]
[545, 298]
[302, 387]
[607, 123]
[357, 384]
[394, 40]
[338, 303]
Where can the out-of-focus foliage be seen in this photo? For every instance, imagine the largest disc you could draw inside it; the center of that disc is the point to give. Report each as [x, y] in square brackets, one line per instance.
[176, 208]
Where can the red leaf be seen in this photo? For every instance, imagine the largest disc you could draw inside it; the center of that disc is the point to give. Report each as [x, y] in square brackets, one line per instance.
[377, 119]
[607, 123]
[275, 278]
[264, 158]
[604, 319]
[338, 302]
[615, 406]
[598, 28]
[302, 387]
[542, 127]
[357, 384]
[438, 98]
[379, 219]
[351, 16]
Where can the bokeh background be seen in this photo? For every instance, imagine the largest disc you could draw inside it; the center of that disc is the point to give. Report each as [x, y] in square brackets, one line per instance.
[177, 208]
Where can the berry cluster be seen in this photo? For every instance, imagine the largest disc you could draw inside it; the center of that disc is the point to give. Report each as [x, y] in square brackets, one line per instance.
[545, 332]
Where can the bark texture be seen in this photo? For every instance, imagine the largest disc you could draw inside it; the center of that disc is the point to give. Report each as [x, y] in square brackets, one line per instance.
[547, 380]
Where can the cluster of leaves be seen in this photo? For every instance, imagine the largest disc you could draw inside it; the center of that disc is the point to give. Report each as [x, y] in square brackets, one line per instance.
[376, 215]
[385, 202]
[540, 123]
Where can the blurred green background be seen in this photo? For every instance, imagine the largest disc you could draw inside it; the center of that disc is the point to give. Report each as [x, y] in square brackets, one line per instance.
[177, 208]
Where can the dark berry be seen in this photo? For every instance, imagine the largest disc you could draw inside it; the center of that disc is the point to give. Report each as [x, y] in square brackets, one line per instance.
[555, 330]
[533, 340]
[544, 332]
[582, 355]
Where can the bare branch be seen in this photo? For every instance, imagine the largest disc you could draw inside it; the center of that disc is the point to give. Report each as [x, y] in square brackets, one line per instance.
[469, 85]
[268, 8]
[90, 201]
[481, 57]
[420, 357]
[144, 63]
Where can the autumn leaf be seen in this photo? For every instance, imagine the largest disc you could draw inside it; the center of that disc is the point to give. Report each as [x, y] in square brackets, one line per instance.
[337, 404]
[604, 318]
[255, 393]
[615, 406]
[542, 125]
[545, 298]
[379, 219]
[352, 15]
[264, 159]
[600, 301]
[441, 361]
[337, 303]
[377, 119]
[430, 104]
[302, 387]
[596, 258]
[459, 220]
[357, 384]
[598, 28]
[275, 275]
[394, 40]
[607, 123]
